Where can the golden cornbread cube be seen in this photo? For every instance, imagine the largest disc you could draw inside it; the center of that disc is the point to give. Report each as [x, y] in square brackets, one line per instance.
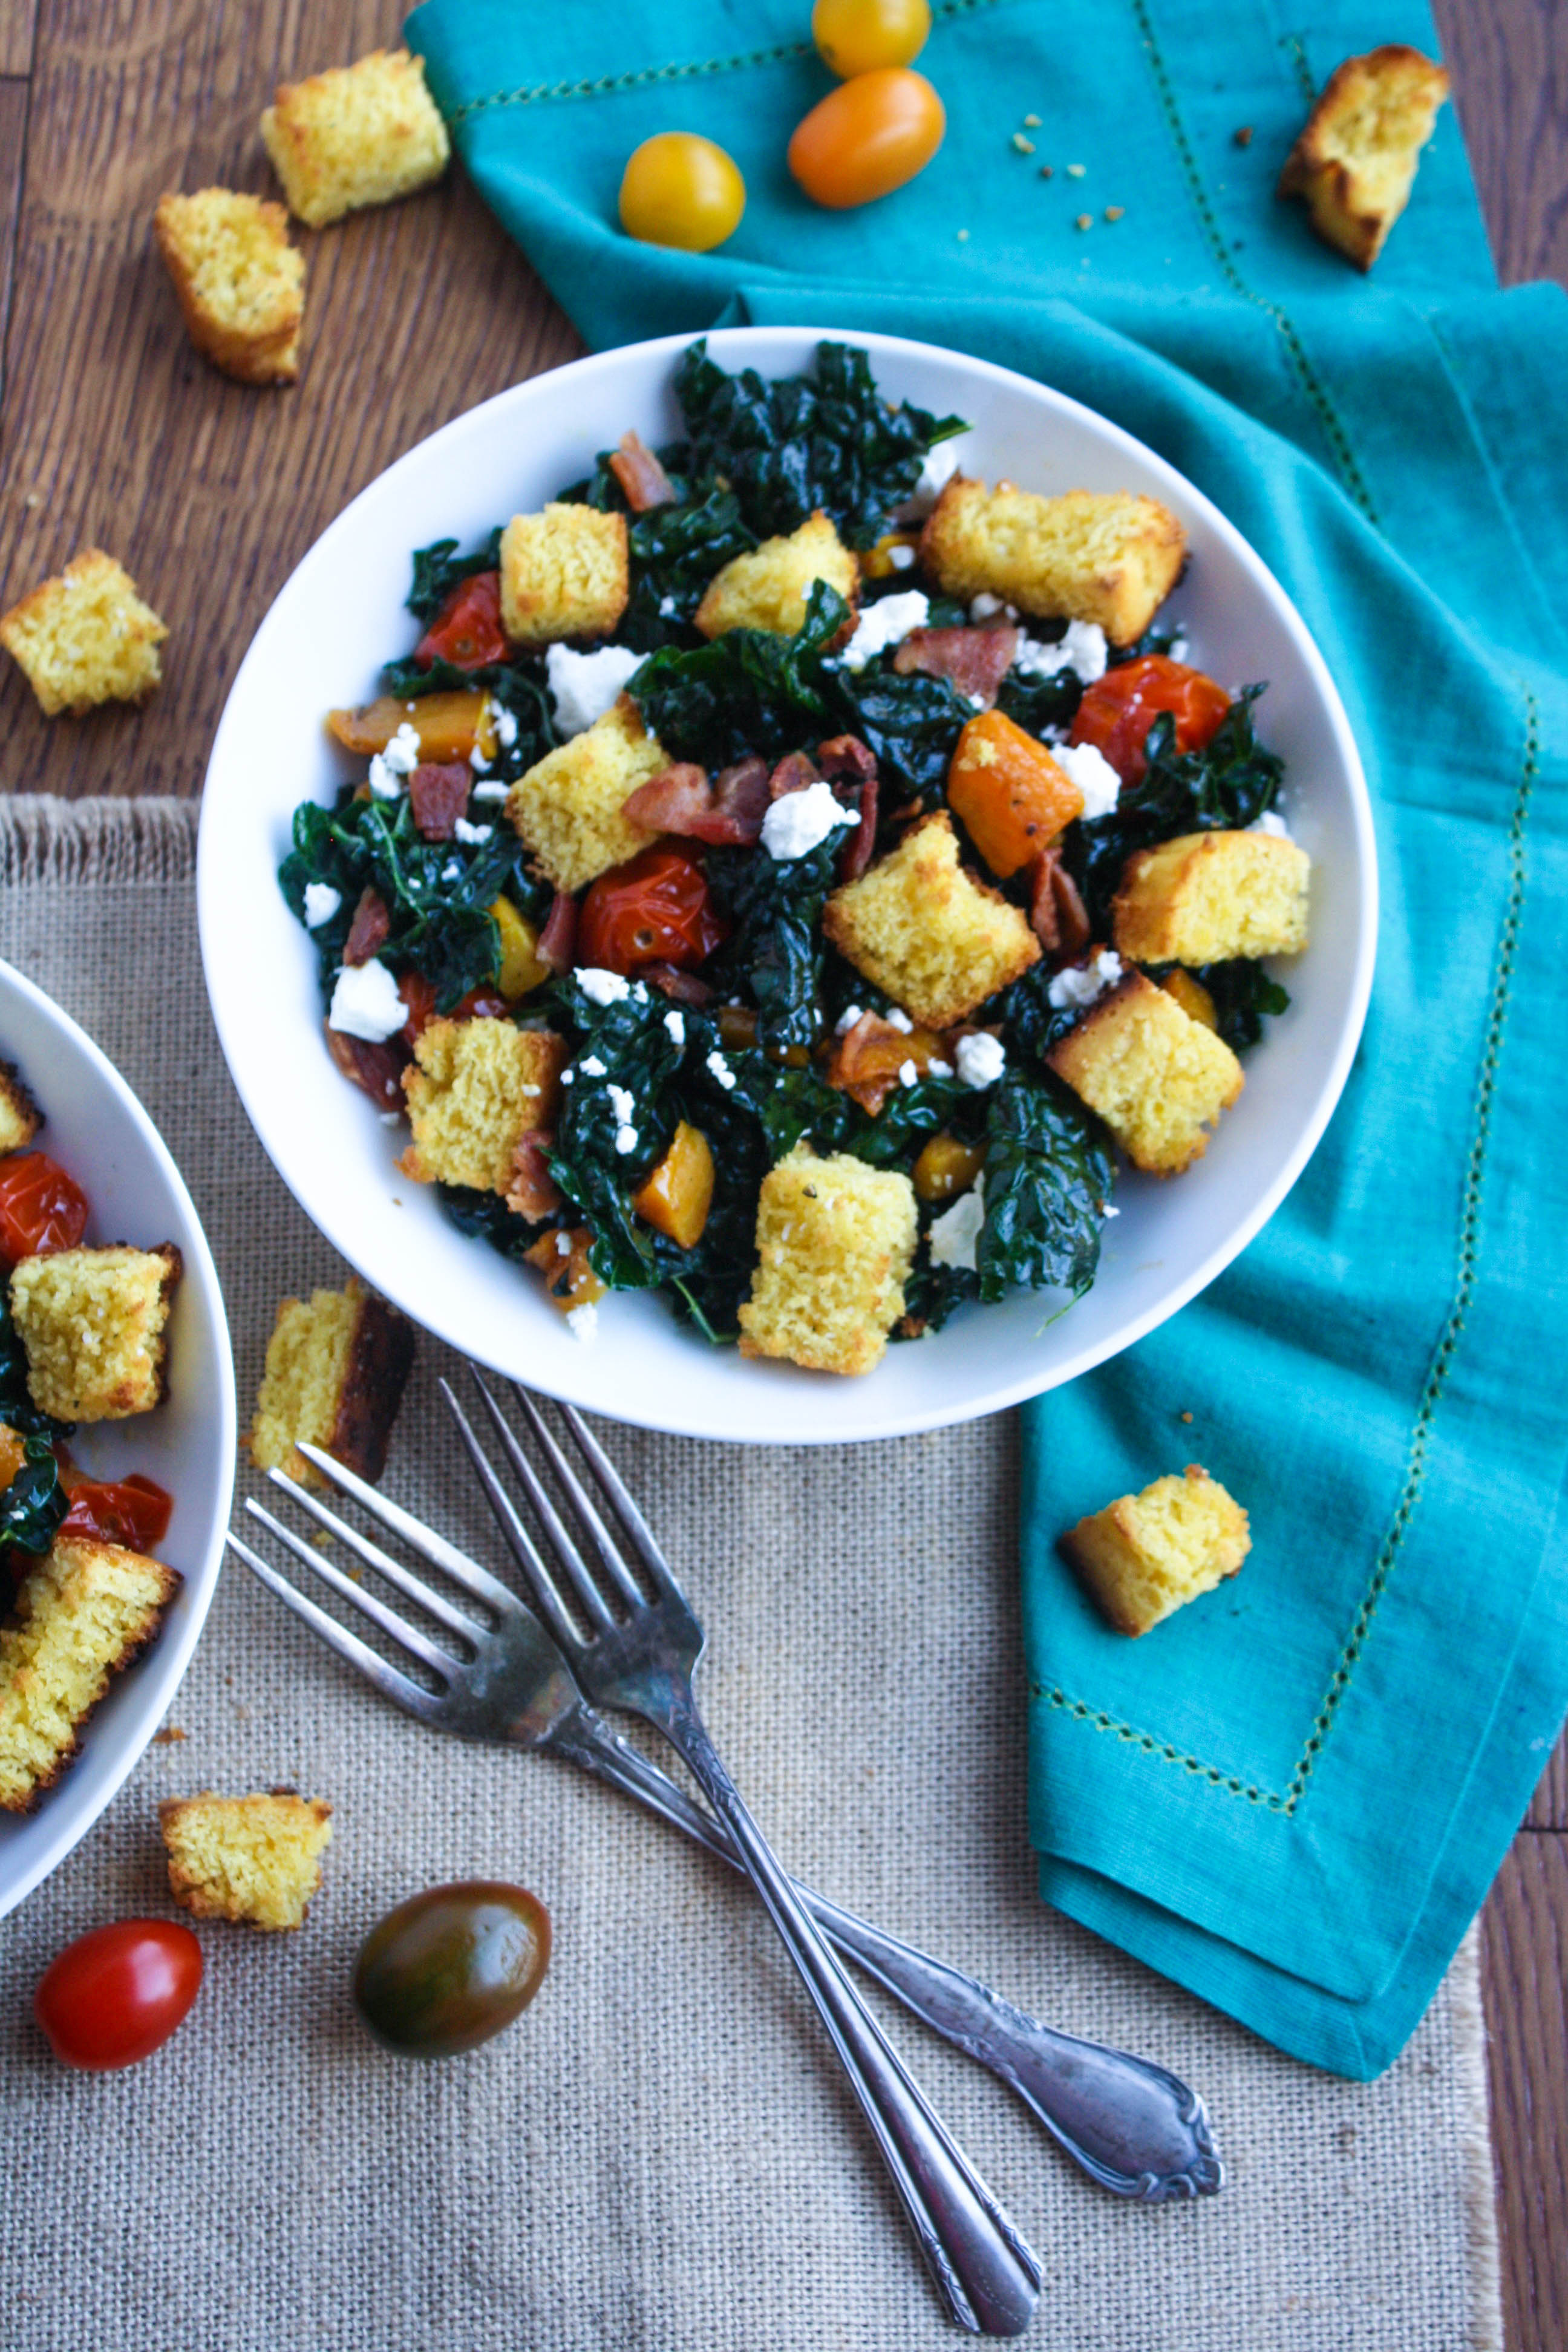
[356, 135]
[86, 637]
[1147, 1555]
[1157, 1078]
[255, 1858]
[931, 937]
[564, 573]
[768, 588]
[1205, 897]
[93, 1324]
[240, 283]
[568, 806]
[337, 1365]
[81, 1614]
[1355, 161]
[475, 1089]
[835, 1241]
[1086, 555]
[20, 1117]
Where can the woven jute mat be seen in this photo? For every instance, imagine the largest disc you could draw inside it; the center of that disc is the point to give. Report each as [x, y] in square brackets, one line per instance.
[661, 2157]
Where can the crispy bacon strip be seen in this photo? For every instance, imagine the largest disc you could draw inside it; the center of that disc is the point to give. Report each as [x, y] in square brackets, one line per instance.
[376, 1070]
[680, 987]
[850, 767]
[729, 810]
[793, 773]
[976, 661]
[1056, 910]
[866, 1061]
[533, 1193]
[438, 794]
[641, 475]
[557, 942]
[370, 930]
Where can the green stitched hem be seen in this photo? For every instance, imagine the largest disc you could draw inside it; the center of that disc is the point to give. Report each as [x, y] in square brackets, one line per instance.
[1098, 1720]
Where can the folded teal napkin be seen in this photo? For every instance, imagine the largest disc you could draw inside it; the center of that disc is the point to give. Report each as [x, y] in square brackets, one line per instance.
[1292, 1796]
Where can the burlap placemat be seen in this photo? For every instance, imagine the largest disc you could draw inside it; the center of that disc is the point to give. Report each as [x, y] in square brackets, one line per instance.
[661, 2157]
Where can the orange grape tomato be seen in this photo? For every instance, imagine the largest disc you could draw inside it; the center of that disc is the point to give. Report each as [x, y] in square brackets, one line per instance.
[853, 37]
[466, 631]
[868, 137]
[1117, 710]
[131, 1511]
[680, 190]
[654, 909]
[42, 1209]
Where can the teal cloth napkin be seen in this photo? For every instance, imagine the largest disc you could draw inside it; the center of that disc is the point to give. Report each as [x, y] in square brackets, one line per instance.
[1292, 1796]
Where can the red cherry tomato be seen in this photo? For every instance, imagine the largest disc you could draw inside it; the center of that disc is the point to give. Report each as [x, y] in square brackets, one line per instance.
[656, 909]
[41, 1210]
[466, 631]
[115, 1995]
[1117, 710]
[130, 1511]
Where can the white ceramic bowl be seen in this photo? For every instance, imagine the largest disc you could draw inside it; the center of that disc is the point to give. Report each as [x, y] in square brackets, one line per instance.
[341, 616]
[99, 1134]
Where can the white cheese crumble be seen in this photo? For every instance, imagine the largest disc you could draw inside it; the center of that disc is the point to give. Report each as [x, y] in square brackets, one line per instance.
[625, 1140]
[1082, 649]
[402, 754]
[1107, 1211]
[799, 820]
[365, 1002]
[675, 1022]
[939, 1069]
[986, 607]
[884, 625]
[562, 1245]
[582, 1322]
[583, 685]
[321, 903]
[1085, 984]
[899, 1020]
[909, 1076]
[717, 1067]
[492, 791]
[955, 1233]
[939, 466]
[667, 608]
[1270, 822]
[1179, 649]
[846, 1020]
[902, 559]
[600, 987]
[620, 1101]
[591, 1067]
[980, 1059]
[451, 873]
[505, 724]
[472, 835]
[477, 761]
[383, 785]
[1093, 774]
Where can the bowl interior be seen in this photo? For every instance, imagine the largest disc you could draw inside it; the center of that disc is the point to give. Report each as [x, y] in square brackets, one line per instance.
[341, 615]
[97, 1129]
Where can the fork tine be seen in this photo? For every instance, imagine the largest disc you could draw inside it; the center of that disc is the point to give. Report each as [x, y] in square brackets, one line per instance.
[436, 1604]
[408, 1637]
[524, 1550]
[414, 1533]
[576, 1493]
[397, 1686]
[611, 1487]
[568, 1559]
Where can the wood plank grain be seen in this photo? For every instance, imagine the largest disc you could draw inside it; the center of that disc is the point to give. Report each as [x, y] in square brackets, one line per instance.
[120, 434]
[14, 97]
[1509, 60]
[1524, 1944]
[1549, 1806]
[17, 18]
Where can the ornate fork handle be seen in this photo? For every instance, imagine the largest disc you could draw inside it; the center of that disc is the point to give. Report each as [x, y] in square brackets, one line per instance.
[1138, 2130]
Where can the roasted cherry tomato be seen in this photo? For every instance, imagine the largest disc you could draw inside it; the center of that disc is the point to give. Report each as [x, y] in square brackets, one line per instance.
[656, 909]
[868, 137]
[41, 1210]
[466, 631]
[131, 1511]
[680, 190]
[115, 1995]
[419, 996]
[452, 1968]
[1117, 710]
[853, 37]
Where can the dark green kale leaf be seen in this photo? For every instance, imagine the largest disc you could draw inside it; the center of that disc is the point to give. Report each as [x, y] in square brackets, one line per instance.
[517, 685]
[788, 447]
[1049, 1174]
[33, 1504]
[1243, 995]
[17, 1409]
[933, 1293]
[632, 1039]
[1035, 704]
[485, 1217]
[772, 957]
[1154, 640]
[674, 553]
[910, 723]
[1031, 1023]
[438, 568]
[749, 690]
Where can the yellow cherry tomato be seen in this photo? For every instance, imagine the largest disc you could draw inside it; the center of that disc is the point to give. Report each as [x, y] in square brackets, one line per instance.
[853, 37]
[682, 190]
[868, 137]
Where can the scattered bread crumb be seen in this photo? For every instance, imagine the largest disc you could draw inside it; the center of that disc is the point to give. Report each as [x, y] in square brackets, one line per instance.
[356, 135]
[84, 637]
[337, 1365]
[1147, 1555]
[256, 1858]
[240, 283]
[1355, 161]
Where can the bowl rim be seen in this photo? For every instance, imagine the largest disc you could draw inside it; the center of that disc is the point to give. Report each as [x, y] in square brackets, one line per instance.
[159, 1672]
[731, 346]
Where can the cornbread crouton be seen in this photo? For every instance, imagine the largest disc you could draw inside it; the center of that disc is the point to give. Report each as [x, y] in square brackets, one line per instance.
[1148, 1554]
[564, 573]
[81, 1614]
[1156, 1077]
[768, 588]
[568, 806]
[255, 1858]
[933, 938]
[86, 637]
[1085, 556]
[92, 1322]
[20, 1117]
[834, 1242]
[475, 1089]
[1205, 898]
[1354, 163]
[241, 285]
[337, 1365]
[356, 135]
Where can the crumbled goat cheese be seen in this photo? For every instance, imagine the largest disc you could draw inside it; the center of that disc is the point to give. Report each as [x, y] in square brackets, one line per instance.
[939, 1069]
[884, 625]
[798, 822]
[717, 1067]
[909, 1076]
[902, 559]
[939, 466]
[675, 1022]
[583, 685]
[600, 987]
[899, 1020]
[980, 1059]
[402, 754]
[625, 1140]
[1082, 649]
[492, 791]
[1107, 1211]
[1093, 774]
[1179, 649]
[451, 873]
[472, 835]
[667, 608]
[582, 1322]
[567, 1076]
[477, 761]
[591, 1067]
[1084, 984]
[620, 1098]
[1270, 822]
[562, 1245]
[365, 1002]
[954, 1234]
[846, 1020]
[986, 607]
[505, 723]
[321, 903]
[383, 785]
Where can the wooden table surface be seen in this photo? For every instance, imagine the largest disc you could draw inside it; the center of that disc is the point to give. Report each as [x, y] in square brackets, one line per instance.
[115, 430]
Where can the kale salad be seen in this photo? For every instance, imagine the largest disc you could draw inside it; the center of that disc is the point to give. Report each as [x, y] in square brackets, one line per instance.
[786, 800]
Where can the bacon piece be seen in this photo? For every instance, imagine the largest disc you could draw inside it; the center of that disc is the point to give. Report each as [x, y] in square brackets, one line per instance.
[681, 987]
[976, 661]
[533, 1193]
[1056, 910]
[370, 930]
[740, 793]
[848, 763]
[682, 800]
[439, 796]
[377, 1069]
[866, 1061]
[557, 942]
[795, 773]
[641, 475]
